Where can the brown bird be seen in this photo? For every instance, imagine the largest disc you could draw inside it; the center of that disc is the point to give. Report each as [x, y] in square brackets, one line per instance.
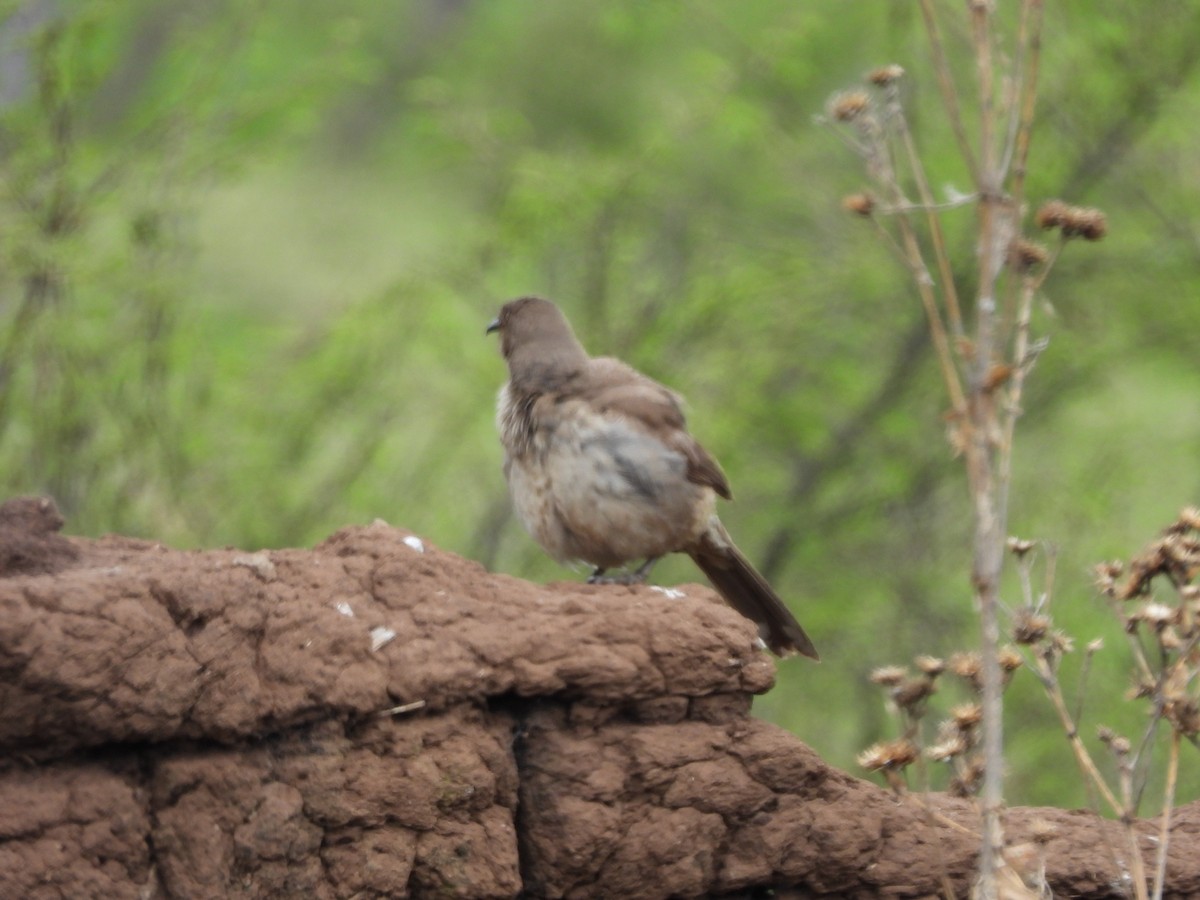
[602, 469]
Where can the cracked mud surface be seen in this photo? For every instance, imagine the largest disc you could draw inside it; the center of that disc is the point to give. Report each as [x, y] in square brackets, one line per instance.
[214, 724]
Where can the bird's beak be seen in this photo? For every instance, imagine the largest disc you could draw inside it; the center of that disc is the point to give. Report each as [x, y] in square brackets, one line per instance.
[495, 326]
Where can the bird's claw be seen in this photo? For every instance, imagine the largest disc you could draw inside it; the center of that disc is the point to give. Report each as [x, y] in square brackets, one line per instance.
[637, 576]
[620, 578]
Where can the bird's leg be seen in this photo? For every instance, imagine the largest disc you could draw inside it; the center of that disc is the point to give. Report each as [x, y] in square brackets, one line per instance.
[637, 576]
[642, 572]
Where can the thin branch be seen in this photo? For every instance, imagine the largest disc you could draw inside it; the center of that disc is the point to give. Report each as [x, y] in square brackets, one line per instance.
[949, 290]
[946, 85]
[937, 330]
[1164, 832]
[931, 206]
[1082, 757]
[1031, 17]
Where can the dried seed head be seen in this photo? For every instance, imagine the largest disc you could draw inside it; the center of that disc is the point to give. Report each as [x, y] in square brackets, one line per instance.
[1135, 585]
[1168, 639]
[968, 667]
[1107, 574]
[1018, 547]
[896, 754]
[1140, 690]
[889, 676]
[1156, 615]
[862, 204]
[952, 745]
[1042, 831]
[1061, 643]
[1025, 255]
[930, 665]
[1115, 742]
[1189, 518]
[1096, 645]
[848, 106]
[1029, 626]
[1010, 659]
[1089, 224]
[967, 716]
[1184, 715]
[885, 75]
[1075, 221]
[968, 781]
[1051, 214]
[910, 694]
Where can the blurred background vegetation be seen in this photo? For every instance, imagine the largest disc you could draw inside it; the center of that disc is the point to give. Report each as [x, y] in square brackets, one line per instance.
[248, 251]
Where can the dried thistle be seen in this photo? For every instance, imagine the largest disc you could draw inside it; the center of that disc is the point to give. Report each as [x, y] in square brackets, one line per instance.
[1118, 744]
[1089, 224]
[1029, 626]
[1051, 214]
[1184, 716]
[950, 746]
[889, 676]
[1018, 547]
[1107, 574]
[1042, 831]
[967, 716]
[1141, 689]
[1025, 255]
[1061, 643]
[1157, 615]
[885, 75]
[861, 204]
[849, 105]
[1169, 639]
[1010, 659]
[930, 665]
[1075, 221]
[1054, 647]
[966, 784]
[968, 667]
[1189, 518]
[913, 692]
[894, 755]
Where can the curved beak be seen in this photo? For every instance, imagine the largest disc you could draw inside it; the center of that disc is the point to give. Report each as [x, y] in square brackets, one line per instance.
[494, 326]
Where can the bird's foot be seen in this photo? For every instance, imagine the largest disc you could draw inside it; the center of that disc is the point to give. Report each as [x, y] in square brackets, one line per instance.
[637, 576]
[599, 577]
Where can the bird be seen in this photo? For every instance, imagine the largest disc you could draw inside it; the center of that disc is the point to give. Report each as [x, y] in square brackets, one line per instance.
[602, 469]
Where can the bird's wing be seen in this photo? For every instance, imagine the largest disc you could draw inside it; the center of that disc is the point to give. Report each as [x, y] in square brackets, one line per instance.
[616, 389]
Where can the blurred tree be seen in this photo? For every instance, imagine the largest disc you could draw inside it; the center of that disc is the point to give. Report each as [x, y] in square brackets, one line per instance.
[247, 254]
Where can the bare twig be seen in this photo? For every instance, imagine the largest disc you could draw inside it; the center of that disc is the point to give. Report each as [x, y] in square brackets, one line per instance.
[1164, 831]
[402, 708]
[946, 85]
[1029, 43]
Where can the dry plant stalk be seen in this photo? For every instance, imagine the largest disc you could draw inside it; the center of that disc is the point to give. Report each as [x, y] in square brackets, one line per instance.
[983, 348]
[1164, 638]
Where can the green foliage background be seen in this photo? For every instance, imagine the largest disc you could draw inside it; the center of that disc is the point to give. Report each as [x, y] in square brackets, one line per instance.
[247, 254]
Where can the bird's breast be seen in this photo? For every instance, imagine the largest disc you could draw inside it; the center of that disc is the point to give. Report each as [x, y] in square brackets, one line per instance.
[594, 486]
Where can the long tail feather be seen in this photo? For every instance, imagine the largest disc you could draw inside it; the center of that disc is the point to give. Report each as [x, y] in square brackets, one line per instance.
[748, 592]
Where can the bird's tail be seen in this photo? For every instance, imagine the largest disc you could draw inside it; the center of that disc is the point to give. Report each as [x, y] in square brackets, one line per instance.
[748, 592]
